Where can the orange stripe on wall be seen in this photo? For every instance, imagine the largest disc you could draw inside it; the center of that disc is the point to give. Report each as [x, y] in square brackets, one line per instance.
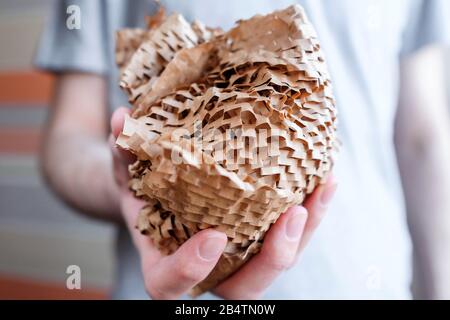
[27, 87]
[15, 288]
[20, 141]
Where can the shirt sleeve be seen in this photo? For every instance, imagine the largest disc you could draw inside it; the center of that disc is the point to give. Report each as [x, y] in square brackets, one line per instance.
[62, 48]
[428, 23]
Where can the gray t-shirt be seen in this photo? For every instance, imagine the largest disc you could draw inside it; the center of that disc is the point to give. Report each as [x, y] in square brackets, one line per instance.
[362, 248]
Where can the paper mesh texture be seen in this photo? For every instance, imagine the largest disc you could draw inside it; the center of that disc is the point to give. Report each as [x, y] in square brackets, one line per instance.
[229, 129]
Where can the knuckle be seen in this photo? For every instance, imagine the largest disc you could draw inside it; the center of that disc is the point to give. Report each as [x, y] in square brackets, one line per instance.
[152, 288]
[188, 273]
[279, 265]
[316, 219]
[279, 260]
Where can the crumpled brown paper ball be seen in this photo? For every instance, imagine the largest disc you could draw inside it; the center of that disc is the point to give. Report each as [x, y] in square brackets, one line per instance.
[229, 129]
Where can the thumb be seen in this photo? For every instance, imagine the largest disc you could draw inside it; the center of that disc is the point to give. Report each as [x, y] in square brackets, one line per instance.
[117, 120]
[117, 123]
[175, 274]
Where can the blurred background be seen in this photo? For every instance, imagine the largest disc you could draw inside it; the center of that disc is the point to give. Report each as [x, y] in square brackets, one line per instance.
[39, 236]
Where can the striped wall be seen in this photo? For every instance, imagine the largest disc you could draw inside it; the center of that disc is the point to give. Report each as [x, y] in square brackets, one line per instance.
[39, 236]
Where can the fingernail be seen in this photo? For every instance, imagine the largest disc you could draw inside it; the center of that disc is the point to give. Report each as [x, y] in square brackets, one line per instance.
[327, 194]
[211, 248]
[295, 224]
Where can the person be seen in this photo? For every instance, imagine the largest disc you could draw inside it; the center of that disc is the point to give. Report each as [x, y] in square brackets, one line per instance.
[386, 87]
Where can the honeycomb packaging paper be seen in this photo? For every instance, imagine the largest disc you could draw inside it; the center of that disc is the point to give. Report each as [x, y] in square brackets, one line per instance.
[230, 129]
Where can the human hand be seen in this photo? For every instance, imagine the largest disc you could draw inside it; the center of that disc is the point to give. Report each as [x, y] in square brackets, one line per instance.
[169, 277]
[282, 245]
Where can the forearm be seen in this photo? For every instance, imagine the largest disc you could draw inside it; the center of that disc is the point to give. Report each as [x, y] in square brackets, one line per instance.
[79, 169]
[426, 180]
[75, 158]
[423, 146]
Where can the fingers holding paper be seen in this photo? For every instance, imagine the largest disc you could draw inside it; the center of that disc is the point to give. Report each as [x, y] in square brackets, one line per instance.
[169, 277]
[165, 277]
[282, 244]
